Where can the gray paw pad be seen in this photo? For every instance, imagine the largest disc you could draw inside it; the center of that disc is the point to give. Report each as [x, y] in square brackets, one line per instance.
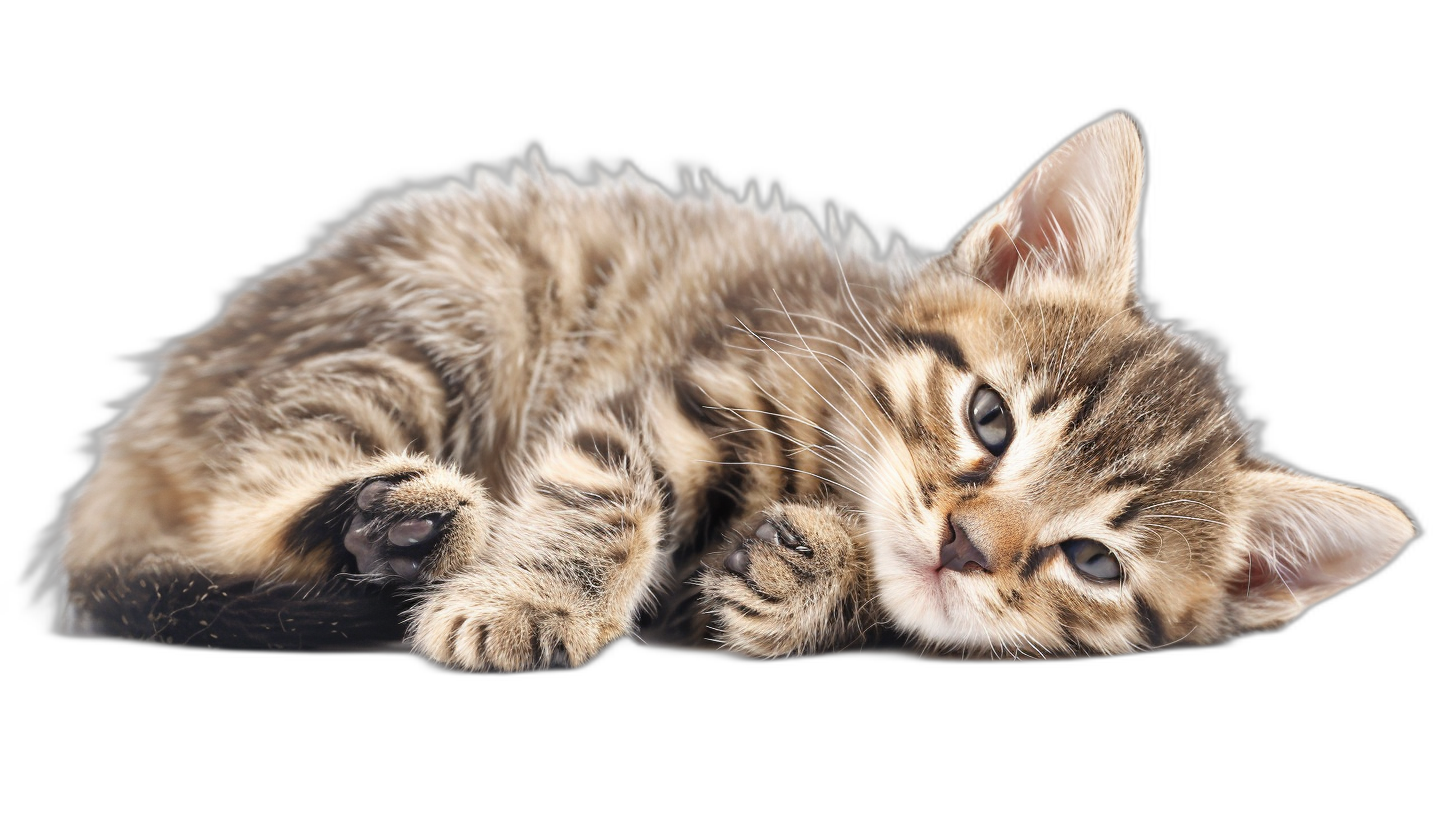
[387, 541]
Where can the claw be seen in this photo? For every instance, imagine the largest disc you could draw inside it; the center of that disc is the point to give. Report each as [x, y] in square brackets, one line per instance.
[769, 532]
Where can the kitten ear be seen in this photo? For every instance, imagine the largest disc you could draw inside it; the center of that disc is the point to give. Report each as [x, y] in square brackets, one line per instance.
[1074, 216]
[1306, 539]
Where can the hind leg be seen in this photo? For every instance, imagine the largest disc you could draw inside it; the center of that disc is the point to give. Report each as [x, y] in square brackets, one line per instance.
[344, 440]
[258, 492]
[396, 519]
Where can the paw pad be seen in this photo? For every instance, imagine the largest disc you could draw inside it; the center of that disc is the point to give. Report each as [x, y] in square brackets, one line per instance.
[389, 541]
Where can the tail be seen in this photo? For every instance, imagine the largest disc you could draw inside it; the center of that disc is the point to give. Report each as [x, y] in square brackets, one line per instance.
[188, 609]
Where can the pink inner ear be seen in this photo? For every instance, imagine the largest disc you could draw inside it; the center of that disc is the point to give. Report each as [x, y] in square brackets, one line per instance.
[1002, 260]
[1263, 575]
[1074, 215]
[1045, 229]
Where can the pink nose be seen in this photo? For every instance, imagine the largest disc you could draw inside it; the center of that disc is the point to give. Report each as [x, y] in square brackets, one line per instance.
[958, 553]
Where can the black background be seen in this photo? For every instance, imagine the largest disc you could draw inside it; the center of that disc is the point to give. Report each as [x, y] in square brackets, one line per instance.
[1274, 222]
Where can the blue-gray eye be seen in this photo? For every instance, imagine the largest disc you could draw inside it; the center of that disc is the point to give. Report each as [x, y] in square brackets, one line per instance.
[1092, 559]
[990, 421]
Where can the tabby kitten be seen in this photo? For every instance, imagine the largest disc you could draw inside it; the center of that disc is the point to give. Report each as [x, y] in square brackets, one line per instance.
[513, 420]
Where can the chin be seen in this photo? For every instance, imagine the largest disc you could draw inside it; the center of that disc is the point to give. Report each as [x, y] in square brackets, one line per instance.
[928, 604]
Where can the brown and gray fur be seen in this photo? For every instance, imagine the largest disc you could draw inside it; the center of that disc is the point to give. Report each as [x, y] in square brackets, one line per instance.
[602, 397]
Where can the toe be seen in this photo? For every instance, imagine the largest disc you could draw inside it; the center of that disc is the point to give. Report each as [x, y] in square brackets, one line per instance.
[366, 553]
[737, 562]
[356, 540]
[372, 494]
[413, 532]
[405, 567]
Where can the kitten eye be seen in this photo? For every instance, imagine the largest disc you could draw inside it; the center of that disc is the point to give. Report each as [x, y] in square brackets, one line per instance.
[990, 420]
[1092, 559]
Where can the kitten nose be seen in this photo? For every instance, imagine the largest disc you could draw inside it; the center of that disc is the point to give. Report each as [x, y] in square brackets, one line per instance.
[958, 553]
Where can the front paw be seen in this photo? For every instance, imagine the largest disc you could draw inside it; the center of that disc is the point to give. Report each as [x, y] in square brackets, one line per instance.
[794, 585]
[483, 621]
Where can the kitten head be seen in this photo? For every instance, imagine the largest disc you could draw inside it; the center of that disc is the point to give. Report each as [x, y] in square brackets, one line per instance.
[1056, 472]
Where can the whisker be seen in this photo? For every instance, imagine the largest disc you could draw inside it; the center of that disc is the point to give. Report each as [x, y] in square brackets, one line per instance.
[1189, 518]
[864, 343]
[790, 469]
[848, 449]
[831, 376]
[855, 309]
[1186, 501]
[1186, 543]
[803, 379]
[1025, 340]
[797, 417]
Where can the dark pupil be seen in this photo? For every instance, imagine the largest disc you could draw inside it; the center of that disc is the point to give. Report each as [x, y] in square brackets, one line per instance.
[1093, 559]
[989, 420]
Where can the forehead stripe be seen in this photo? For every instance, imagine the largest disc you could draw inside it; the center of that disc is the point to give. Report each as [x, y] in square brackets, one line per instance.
[940, 344]
[1129, 512]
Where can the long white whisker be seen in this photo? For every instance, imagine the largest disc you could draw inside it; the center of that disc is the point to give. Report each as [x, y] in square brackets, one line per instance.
[862, 469]
[1189, 518]
[830, 374]
[845, 363]
[867, 390]
[839, 485]
[775, 335]
[1186, 501]
[801, 377]
[864, 343]
[797, 417]
[853, 302]
[1025, 340]
[842, 445]
[1186, 543]
[804, 447]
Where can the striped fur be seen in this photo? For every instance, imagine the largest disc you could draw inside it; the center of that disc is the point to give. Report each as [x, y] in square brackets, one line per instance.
[600, 390]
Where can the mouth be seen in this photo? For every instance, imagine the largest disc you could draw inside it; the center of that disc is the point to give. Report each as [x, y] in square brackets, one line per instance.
[936, 585]
[953, 553]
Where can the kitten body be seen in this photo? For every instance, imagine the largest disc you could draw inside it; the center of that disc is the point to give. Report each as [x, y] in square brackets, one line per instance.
[515, 419]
